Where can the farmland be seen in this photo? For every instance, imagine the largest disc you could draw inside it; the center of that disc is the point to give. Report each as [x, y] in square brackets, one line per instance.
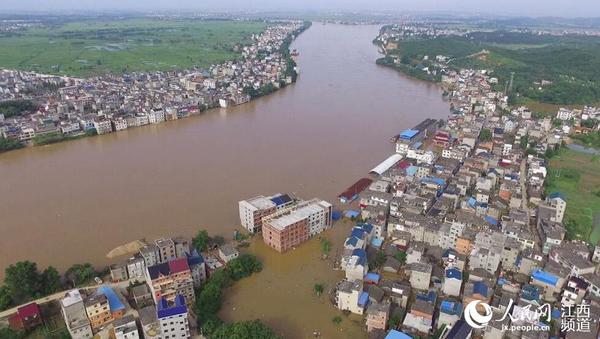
[575, 175]
[89, 48]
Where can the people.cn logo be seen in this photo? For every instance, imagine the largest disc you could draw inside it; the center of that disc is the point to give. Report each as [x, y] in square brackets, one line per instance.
[476, 319]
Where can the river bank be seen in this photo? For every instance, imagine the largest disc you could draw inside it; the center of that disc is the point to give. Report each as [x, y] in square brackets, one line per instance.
[180, 176]
[73, 108]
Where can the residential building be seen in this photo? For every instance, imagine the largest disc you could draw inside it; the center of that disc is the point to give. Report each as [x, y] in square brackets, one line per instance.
[349, 295]
[377, 316]
[74, 313]
[167, 280]
[26, 318]
[292, 226]
[126, 328]
[166, 249]
[173, 318]
[98, 310]
[149, 322]
[228, 252]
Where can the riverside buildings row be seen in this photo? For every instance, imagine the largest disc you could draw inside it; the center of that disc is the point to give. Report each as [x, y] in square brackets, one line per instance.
[70, 107]
[285, 222]
[459, 214]
[160, 278]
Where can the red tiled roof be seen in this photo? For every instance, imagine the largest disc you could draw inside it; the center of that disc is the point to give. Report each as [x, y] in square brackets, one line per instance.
[28, 310]
[178, 265]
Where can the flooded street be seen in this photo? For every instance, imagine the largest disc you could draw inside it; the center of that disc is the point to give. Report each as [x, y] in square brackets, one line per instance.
[73, 202]
[282, 294]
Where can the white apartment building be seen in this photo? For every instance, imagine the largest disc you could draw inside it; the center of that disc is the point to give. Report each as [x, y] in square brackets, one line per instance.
[73, 311]
[173, 319]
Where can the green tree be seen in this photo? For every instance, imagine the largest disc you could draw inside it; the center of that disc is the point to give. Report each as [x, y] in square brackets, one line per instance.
[318, 288]
[218, 240]
[401, 257]
[5, 298]
[336, 320]
[9, 333]
[50, 281]
[201, 241]
[325, 246]
[209, 301]
[485, 135]
[244, 329]
[9, 144]
[23, 281]
[80, 274]
[243, 266]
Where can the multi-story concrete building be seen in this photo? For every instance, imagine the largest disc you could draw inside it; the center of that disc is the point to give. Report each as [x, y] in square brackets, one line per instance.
[173, 318]
[126, 328]
[73, 311]
[170, 279]
[253, 210]
[377, 316]
[166, 249]
[98, 310]
[149, 323]
[348, 295]
[151, 255]
[292, 226]
[136, 268]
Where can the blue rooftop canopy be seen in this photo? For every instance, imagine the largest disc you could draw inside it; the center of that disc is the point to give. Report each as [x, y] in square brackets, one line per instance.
[363, 299]
[544, 277]
[409, 134]
[114, 303]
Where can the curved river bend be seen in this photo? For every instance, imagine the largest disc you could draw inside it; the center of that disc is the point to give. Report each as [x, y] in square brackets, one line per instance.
[73, 202]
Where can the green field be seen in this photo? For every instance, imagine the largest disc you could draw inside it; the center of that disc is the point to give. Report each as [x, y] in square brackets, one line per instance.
[576, 176]
[98, 47]
[571, 63]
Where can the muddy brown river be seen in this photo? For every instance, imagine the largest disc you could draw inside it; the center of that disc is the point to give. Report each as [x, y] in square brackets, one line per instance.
[73, 202]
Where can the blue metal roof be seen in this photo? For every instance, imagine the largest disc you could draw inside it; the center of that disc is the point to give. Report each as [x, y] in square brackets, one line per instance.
[460, 330]
[367, 227]
[351, 241]
[472, 202]
[336, 215]
[530, 292]
[453, 273]
[377, 242]
[479, 287]
[555, 195]
[358, 233]
[393, 334]
[451, 307]
[429, 297]
[114, 303]
[363, 299]
[163, 309]
[195, 258]
[544, 277]
[351, 214]
[281, 199]
[409, 134]
[371, 276]
[491, 220]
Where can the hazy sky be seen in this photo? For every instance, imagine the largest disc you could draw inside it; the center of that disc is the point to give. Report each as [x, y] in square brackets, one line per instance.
[570, 8]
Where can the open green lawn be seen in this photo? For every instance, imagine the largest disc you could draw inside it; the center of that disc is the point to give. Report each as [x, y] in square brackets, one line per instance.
[91, 48]
[576, 175]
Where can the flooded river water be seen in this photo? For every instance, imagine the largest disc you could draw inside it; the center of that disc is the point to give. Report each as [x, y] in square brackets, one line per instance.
[73, 202]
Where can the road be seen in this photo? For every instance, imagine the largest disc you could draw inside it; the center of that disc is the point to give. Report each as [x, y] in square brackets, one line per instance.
[525, 202]
[61, 294]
